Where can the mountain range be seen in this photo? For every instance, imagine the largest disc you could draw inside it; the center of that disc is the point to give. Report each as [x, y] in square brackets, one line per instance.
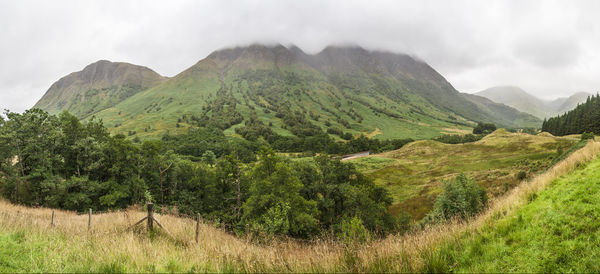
[525, 102]
[347, 89]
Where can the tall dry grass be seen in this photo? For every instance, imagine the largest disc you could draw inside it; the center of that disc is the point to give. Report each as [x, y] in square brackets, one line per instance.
[109, 239]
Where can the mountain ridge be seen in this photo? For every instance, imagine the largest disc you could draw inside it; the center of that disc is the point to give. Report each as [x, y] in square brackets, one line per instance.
[347, 89]
[523, 101]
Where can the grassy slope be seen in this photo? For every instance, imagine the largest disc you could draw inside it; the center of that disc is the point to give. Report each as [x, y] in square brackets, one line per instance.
[414, 173]
[29, 244]
[504, 113]
[152, 112]
[159, 108]
[558, 231]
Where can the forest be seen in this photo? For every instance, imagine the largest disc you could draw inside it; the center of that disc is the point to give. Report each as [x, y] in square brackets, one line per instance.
[59, 162]
[584, 118]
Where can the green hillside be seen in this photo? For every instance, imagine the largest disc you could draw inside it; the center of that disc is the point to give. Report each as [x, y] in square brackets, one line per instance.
[414, 173]
[339, 90]
[503, 113]
[98, 86]
[556, 231]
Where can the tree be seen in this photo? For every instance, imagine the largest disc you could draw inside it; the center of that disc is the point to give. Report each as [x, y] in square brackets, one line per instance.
[197, 190]
[461, 198]
[275, 192]
[342, 192]
[584, 118]
[234, 187]
[209, 157]
[120, 165]
[484, 128]
[32, 137]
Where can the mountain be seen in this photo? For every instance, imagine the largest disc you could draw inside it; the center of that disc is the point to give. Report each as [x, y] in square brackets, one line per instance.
[503, 113]
[341, 89]
[564, 104]
[525, 102]
[98, 86]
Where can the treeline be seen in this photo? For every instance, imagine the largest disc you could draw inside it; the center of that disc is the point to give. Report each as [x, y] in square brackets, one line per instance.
[59, 162]
[458, 139]
[584, 118]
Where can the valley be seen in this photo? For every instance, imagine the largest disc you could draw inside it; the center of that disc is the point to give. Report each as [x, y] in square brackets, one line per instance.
[299, 136]
[249, 142]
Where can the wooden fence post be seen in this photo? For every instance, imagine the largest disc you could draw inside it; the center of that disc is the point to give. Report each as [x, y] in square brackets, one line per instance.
[52, 221]
[197, 226]
[90, 219]
[150, 216]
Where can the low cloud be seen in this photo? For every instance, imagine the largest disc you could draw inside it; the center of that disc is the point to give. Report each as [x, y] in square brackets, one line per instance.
[546, 47]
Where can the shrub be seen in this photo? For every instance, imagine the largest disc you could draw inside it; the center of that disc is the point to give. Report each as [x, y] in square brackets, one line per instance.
[484, 128]
[353, 231]
[276, 219]
[461, 198]
[587, 136]
[521, 175]
[209, 157]
[334, 130]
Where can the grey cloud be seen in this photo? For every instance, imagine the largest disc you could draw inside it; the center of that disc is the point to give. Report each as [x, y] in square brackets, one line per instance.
[552, 52]
[547, 47]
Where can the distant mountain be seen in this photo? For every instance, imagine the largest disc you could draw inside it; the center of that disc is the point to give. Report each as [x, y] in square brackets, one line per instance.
[525, 102]
[340, 89]
[503, 113]
[98, 86]
[564, 104]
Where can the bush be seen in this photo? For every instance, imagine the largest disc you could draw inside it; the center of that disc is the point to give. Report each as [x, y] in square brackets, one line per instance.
[484, 128]
[587, 136]
[461, 198]
[209, 157]
[276, 219]
[521, 175]
[353, 232]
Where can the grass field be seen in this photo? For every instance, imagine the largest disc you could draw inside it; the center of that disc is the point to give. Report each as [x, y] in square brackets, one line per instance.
[562, 227]
[414, 173]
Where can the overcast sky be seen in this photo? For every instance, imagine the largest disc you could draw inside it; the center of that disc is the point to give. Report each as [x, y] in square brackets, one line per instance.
[549, 48]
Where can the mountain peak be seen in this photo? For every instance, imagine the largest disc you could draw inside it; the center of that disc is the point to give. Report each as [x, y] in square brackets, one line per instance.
[119, 79]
